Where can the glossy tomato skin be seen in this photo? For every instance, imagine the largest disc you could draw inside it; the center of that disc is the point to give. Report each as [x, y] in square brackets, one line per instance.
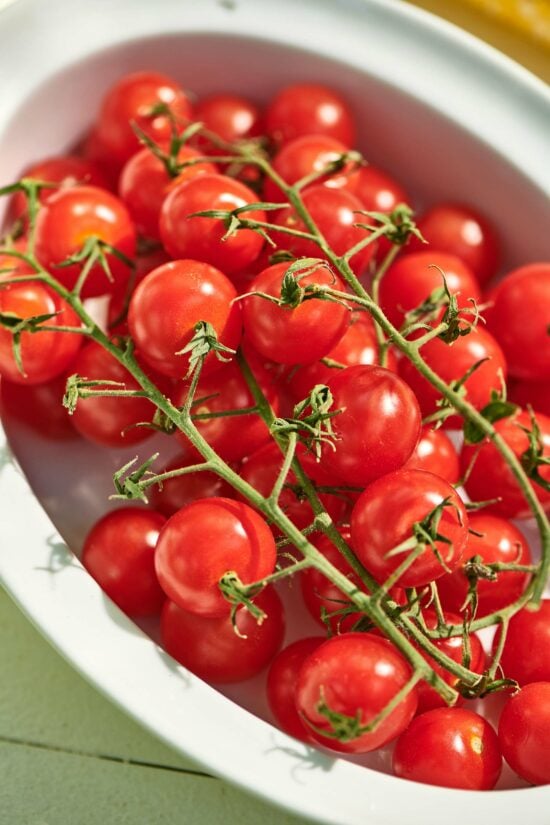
[435, 453]
[184, 236]
[133, 100]
[309, 109]
[211, 648]
[531, 393]
[68, 219]
[335, 212]
[413, 278]
[383, 518]
[451, 747]
[355, 674]
[119, 553]
[167, 305]
[379, 427]
[231, 117]
[39, 406]
[526, 653]
[281, 685]
[524, 733]
[462, 231]
[495, 540]
[378, 191]
[176, 492]
[519, 320]
[489, 475]
[293, 335]
[206, 539]
[44, 355]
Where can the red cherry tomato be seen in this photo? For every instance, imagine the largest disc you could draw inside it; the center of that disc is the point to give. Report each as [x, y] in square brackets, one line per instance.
[72, 216]
[119, 553]
[524, 733]
[526, 653]
[185, 236]
[378, 191]
[378, 427]
[520, 318]
[356, 675]
[231, 117]
[531, 393]
[281, 685]
[435, 453]
[206, 539]
[135, 99]
[167, 305]
[211, 648]
[385, 514]
[451, 747]
[462, 231]
[488, 475]
[39, 406]
[309, 108]
[495, 540]
[413, 278]
[174, 493]
[290, 335]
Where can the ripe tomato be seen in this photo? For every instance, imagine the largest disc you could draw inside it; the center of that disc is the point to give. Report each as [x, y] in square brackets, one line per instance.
[133, 99]
[385, 514]
[462, 231]
[378, 427]
[309, 109]
[184, 236]
[206, 539]
[39, 407]
[495, 540]
[72, 216]
[378, 191]
[520, 318]
[167, 305]
[435, 453]
[413, 278]
[144, 184]
[119, 553]
[174, 493]
[490, 476]
[533, 393]
[44, 354]
[524, 733]
[356, 675]
[451, 747]
[281, 685]
[231, 117]
[526, 654]
[211, 648]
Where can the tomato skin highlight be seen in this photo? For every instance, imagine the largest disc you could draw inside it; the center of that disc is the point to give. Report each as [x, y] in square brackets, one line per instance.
[309, 108]
[281, 685]
[524, 733]
[211, 648]
[450, 747]
[435, 453]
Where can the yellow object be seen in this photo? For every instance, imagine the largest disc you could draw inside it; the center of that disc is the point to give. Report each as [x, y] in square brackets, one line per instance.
[531, 17]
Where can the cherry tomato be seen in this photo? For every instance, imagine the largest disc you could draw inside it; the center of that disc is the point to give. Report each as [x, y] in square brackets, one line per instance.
[413, 279]
[531, 393]
[293, 335]
[384, 517]
[378, 191]
[281, 685]
[524, 733]
[39, 407]
[144, 184]
[495, 540]
[230, 117]
[206, 539]
[379, 425]
[520, 318]
[211, 648]
[462, 231]
[174, 493]
[488, 475]
[356, 675]
[452, 747]
[526, 653]
[72, 216]
[435, 453]
[44, 355]
[119, 553]
[135, 99]
[185, 236]
[309, 109]
[167, 305]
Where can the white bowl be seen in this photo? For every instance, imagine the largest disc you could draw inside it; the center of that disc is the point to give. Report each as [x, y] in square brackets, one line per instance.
[452, 119]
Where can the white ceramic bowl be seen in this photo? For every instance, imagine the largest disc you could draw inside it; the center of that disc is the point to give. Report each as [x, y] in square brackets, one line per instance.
[451, 118]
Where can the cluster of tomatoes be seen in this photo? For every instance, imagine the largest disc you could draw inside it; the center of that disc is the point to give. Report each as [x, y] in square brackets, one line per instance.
[119, 219]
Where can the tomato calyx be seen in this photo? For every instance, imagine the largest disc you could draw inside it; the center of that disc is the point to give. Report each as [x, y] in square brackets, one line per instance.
[314, 428]
[533, 458]
[203, 342]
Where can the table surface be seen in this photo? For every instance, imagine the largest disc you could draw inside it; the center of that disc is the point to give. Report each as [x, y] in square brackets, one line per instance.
[67, 755]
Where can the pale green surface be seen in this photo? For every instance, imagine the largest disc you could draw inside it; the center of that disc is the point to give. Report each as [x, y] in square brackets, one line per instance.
[64, 752]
